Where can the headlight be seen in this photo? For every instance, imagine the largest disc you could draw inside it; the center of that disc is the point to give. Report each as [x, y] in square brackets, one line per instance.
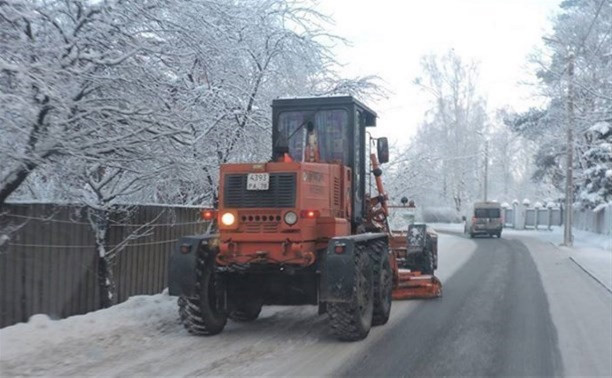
[228, 219]
[291, 218]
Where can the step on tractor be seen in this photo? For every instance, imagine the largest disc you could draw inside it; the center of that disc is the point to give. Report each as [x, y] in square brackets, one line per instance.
[301, 229]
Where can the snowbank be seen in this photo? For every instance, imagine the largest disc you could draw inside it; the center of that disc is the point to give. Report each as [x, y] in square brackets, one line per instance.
[143, 337]
[42, 332]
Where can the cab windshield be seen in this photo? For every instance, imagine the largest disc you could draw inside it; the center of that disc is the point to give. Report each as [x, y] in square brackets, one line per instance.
[331, 127]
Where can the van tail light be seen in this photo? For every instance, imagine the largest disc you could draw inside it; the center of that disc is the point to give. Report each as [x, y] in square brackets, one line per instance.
[310, 214]
[208, 214]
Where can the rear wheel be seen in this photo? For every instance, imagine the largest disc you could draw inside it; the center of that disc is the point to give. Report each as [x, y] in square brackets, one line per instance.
[351, 321]
[200, 314]
[383, 284]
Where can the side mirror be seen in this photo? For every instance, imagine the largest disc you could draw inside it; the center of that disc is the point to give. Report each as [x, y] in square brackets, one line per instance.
[463, 218]
[382, 149]
[404, 201]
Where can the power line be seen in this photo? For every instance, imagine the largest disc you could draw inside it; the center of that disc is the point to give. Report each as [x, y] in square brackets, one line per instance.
[110, 225]
[72, 246]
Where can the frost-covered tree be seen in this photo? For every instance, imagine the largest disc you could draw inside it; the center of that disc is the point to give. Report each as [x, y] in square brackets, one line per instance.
[511, 162]
[229, 60]
[581, 35]
[597, 174]
[448, 147]
[112, 103]
[72, 87]
[194, 79]
[105, 191]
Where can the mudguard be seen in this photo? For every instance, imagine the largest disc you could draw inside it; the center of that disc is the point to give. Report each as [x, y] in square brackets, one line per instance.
[338, 269]
[182, 262]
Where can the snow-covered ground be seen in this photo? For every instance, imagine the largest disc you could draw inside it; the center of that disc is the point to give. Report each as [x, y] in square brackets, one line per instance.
[591, 251]
[143, 336]
[581, 309]
[582, 239]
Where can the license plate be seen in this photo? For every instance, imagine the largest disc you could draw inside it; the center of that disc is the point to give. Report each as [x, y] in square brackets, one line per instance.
[258, 181]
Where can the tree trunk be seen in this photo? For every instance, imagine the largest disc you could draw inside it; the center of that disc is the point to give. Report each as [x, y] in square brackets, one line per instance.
[14, 180]
[99, 221]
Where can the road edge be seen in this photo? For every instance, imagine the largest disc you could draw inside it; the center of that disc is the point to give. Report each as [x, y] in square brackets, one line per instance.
[592, 275]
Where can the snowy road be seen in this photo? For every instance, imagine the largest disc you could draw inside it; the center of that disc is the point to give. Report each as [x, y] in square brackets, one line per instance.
[494, 320]
[514, 306]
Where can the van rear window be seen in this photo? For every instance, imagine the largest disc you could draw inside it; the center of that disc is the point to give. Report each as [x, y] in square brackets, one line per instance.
[487, 213]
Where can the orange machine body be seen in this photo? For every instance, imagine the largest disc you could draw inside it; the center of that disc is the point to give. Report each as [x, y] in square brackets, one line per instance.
[319, 194]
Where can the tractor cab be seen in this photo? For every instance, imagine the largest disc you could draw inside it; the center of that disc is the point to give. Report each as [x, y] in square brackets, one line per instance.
[286, 210]
[330, 130]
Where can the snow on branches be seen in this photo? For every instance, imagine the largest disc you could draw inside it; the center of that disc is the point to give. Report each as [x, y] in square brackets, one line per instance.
[163, 92]
[581, 34]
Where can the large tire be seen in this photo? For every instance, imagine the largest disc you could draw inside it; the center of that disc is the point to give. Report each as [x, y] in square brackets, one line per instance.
[199, 314]
[427, 260]
[351, 321]
[247, 312]
[383, 284]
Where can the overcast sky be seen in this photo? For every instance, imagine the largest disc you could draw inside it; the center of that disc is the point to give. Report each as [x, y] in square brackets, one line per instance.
[389, 37]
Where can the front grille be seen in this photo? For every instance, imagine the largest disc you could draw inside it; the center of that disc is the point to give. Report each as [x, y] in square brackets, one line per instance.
[258, 227]
[281, 192]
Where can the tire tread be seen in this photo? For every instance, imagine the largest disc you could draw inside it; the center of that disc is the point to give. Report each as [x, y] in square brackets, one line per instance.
[344, 317]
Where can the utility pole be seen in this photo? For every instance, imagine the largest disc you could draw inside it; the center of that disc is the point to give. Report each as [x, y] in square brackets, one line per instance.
[568, 239]
[486, 169]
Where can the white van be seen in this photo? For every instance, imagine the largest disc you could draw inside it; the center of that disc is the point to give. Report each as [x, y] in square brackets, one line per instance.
[486, 219]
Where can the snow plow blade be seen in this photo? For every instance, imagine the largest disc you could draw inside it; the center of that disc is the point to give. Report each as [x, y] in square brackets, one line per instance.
[414, 285]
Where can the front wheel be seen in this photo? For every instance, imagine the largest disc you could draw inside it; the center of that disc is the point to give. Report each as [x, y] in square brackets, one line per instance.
[352, 320]
[200, 314]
